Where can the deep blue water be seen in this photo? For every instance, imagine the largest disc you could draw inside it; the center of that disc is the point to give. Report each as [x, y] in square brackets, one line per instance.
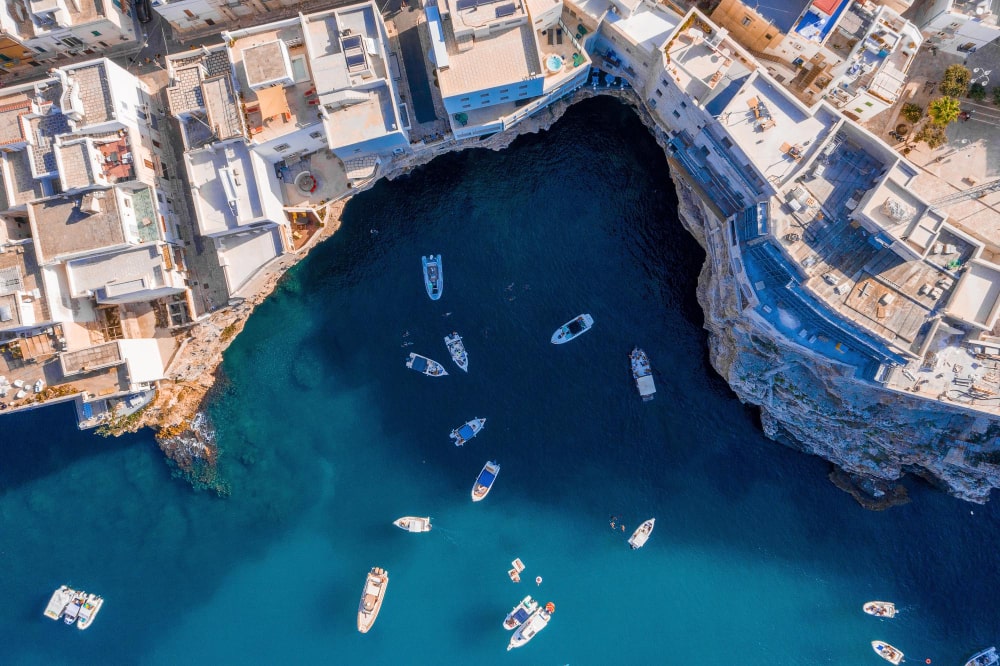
[326, 438]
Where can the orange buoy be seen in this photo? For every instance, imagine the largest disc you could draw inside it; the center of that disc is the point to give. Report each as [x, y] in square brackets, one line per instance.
[927, 661]
[538, 580]
[550, 607]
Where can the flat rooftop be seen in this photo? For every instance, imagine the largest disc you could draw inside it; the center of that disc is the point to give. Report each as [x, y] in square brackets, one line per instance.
[60, 227]
[977, 295]
[505, 56]
[93, 273]
[241, 256]
[781, 13]
[19, 272]
[703, 70]
[649, 26]
[224, 187]
[363, 120]
[772, 130]
[95, 92]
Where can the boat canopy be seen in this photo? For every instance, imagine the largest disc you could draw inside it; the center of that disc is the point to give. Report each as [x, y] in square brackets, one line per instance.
[521, 615]
[486, 478]
[466, 432]
[419, 363]
[575, 326]
[646, 385]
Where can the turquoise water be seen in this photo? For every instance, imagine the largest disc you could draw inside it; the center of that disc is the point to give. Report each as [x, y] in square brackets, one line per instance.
[326, 438]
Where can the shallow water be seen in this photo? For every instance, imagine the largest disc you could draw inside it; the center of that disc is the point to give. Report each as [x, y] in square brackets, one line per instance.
[326, 438]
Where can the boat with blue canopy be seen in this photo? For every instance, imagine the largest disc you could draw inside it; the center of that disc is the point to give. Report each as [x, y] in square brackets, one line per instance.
[485, 481]
[520, 613]
[425, 365]
[467, 431]
[572, 329]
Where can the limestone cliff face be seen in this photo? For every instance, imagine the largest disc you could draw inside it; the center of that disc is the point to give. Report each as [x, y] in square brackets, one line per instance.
[819, 407]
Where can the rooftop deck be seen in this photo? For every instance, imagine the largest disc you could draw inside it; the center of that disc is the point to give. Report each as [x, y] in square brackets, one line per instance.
[507, 56]
[224, 187]
[60, 227]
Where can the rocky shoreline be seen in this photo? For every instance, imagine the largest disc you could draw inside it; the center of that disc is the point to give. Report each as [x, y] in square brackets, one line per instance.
[871, 435]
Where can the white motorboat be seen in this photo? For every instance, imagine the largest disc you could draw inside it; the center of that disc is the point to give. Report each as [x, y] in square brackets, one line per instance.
[485, 480]
[572, 329]
[887, 652]
[371, 598]
[987, 657]
[537, 621]
[60, 599]
[642, 372]
[425, 365]
[470, 429]
[91, 607]
[520, 613]
[880, 608]
[433, 275]
[641, 534]
[72, 612]
[413, 523]
[457, 350]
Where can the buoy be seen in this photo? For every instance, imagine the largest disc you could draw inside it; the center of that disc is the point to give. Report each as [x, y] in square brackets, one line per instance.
[927, 661]
[538, 580]
[550, 607]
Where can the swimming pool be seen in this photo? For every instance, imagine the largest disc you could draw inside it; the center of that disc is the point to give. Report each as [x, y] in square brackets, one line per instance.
[554, 63]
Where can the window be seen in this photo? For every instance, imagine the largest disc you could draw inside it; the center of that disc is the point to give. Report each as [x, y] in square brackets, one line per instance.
[659, 93]
[684, 105]
[156, 143]
[505, 91]
[465, 99]
[148, 163]
[189, 13]
[747, 20]
[504, 98]
[209, 22]
[676, 115]
[869, 104]
[40, 49]
[282, 147]
[859, 110]
[315, 135]
[95, 33]
[523, 86]
[72, 41]
[466, 106]
[767, 36]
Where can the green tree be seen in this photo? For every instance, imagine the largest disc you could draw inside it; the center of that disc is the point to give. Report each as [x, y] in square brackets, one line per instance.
[943, 110]
[933, 135]
[977, 91]
[996, 95]
[913, 113]
[955, 81]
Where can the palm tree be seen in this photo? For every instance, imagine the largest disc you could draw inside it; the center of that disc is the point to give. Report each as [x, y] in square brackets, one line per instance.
[944, 110]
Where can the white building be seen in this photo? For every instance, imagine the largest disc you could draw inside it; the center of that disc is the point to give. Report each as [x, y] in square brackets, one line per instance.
[498, 62]
[957, 26]
[50, 28]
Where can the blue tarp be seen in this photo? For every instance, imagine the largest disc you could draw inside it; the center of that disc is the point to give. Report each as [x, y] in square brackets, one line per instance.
[419, 364]
[521, 615]
[486, 478]
[466, 432]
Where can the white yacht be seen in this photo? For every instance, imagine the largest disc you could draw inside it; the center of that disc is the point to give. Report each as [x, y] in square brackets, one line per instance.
[457, 350]
[433, 275]
[572, 329]
[60, 599]
[91, 607]
[641, 534]
[425, 365]
[537, 621]
[371, 598]
[413, 523]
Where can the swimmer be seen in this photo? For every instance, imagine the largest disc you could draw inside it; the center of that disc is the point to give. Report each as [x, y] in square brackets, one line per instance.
[612, 524]
[446, 314]
[623, 528]
[373, 232]
[510, 286]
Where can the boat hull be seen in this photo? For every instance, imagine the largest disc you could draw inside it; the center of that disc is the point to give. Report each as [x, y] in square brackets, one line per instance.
[642, 372]
[372, 596]
[887, 652]
[880, 608]
[572, 329]
[89, 612]
[59, 601]
[413, 523]
[467, 431]
[529, 629]
[425, 366]
[987, 657]
[641, 534]
[457, 350]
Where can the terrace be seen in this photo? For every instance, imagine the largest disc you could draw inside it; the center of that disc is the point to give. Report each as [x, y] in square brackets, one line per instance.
[703, 69]
[75, 225]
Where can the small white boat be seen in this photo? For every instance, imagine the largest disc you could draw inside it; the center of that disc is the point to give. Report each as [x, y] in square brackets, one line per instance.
[413, 523]
[641, 534]
[642, 372]
[880, 608]
[987, 657]
[515, 572]
[572, 329]
[537, 621]
[425, 365]
[60, 599]
[91, 607]
[464, 433]
[433, 275]
[521, 612]
[371, 598]
[485, 480]
[457, 350]
[72, 612]
[887, 652]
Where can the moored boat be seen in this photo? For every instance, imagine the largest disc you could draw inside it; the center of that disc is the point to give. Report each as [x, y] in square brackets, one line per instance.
[413, 523]
[880, 608]
[481, 488]
[433, 275]
[642, 372]
[371, 598]
[60, 599]
[457, 350]
[72, 611]
[887, 652]
[641, 534]
[91, 607]
[572, 329]
[425, 365]
[987, 657]
[537, 621]
[520, 613]
[467, 431]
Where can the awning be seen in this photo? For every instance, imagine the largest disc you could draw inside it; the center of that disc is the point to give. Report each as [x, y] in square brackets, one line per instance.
[272, 102]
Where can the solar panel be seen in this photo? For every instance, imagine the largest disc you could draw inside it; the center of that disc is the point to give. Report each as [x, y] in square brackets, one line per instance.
[506, 10]
[355, 60]
[352, 42]
[466, 4]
